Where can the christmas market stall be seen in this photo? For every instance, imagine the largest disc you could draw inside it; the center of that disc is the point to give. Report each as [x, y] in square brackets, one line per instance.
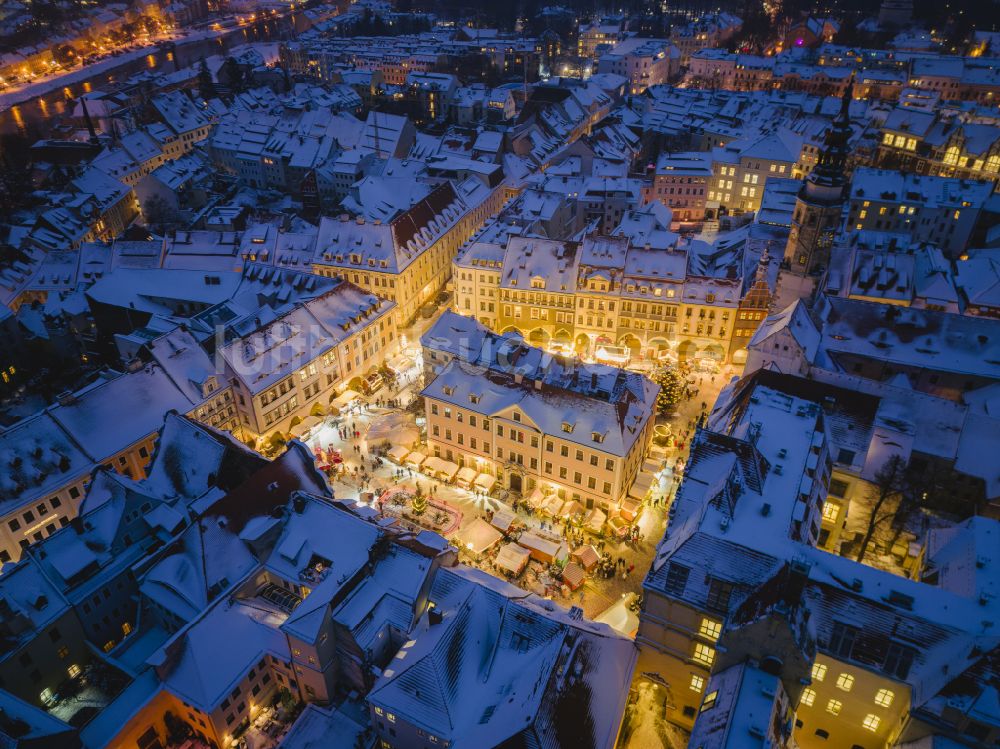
[465, 477]
[478, 537]
[512, 558]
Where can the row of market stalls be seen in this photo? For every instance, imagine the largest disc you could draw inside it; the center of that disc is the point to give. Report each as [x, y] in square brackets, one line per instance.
[441, 469]
[593, 520]
[516, 547]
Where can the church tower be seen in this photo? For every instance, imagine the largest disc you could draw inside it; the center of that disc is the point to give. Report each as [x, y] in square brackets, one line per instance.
[752, 310]
[817, 216]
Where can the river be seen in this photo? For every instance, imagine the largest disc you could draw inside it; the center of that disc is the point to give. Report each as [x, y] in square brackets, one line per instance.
[46, 108]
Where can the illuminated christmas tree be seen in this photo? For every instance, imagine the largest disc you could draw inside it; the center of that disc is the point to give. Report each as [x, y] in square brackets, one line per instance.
[671, 389]
[419, 503]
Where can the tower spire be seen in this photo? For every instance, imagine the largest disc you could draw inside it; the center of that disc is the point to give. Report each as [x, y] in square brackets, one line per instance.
[90, 124]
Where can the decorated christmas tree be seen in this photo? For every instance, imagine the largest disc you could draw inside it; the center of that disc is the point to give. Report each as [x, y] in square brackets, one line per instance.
[671, 389]
[419, 503]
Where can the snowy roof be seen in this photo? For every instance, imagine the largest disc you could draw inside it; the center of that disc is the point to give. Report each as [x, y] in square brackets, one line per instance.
[269, 349]
[204, 661]
[37, 457]
[324, 728]
[605, 408]
[111, 415]
[796, 320]
[497, 666]
[938, 341]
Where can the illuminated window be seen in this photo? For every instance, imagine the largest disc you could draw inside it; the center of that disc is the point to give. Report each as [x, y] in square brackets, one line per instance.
[709, 701]
[871, 722]
[73, 671]
[808, 697]
[845, 682]
[863, 214]
[697, 683]
[819, 671]
[830, 511]
[833, 707]
[710, 628]
[956, 215]
[390, 717]
[704, 654]
[379, 711]
[884, 697]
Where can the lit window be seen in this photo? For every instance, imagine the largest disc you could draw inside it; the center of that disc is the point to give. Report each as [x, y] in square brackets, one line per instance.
[819, 671]
[808, 697]
[697, 683]
[871, 722]
[73, 671]
[379, 711]
[845, 682]
[884, 697]
[830, 511]
[390, 717]
[709, 701]
[833, 707]
[710, 628]
[704, 654]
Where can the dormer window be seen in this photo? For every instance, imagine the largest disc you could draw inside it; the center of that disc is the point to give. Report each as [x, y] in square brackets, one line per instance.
[448, 390]
[567, 427]
[538, 283]
[355, 258]
[597, 436]
[473, 398]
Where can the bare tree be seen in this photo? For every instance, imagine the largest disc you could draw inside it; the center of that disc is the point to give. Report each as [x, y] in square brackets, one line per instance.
[885, 494]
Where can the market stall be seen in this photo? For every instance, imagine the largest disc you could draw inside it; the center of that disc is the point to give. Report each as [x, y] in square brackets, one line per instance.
[478, 537]
[586, 556]
[397, 454]
[415, 459]
[344, 400]
[630, 509]
[465, 477]
[512, 558]
[619, 527]
[543, 549]
[503, 520]
[641, 485]
[572, 509]
[573, 575]
[537, 499]
[552, 506]
[439, 468]
[485, 482]
[596, 520]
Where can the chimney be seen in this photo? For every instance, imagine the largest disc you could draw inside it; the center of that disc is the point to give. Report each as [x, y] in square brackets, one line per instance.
[434, 616]
[298, 504]
[76, 524]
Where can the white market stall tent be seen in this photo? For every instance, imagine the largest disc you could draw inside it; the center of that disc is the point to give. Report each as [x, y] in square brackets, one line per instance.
[441, 469]
[485, 482]
[465, 477]
[415, 459]
[596, 520]
[503, 520]
[345, 399]
[397, 453]
[513, 558]
[478, 537]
